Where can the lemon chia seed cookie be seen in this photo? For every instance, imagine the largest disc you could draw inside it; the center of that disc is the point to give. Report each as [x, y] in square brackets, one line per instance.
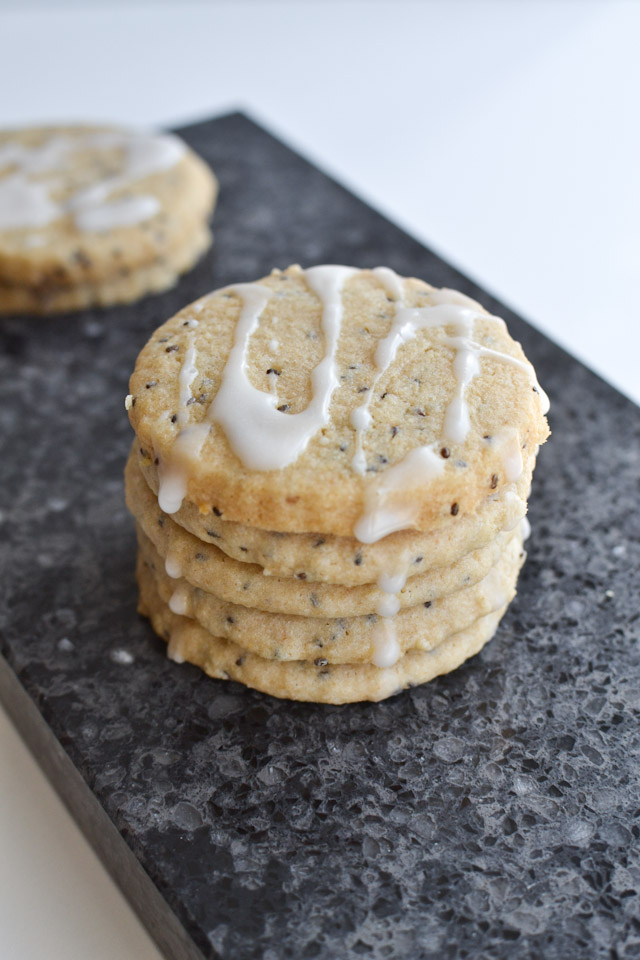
[92, 215]
[304, 680]
[344, 639]
[301, 402]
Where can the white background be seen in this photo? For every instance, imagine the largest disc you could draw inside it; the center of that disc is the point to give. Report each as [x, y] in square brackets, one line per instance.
[505, 134]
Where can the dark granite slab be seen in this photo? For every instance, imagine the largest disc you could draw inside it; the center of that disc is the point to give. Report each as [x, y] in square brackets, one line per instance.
[492, 813]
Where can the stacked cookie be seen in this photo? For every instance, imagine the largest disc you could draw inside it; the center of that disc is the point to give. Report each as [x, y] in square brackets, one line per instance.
[97, 216]
[329, 481]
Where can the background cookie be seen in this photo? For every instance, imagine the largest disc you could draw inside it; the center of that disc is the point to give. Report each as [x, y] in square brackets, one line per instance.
[94, 215]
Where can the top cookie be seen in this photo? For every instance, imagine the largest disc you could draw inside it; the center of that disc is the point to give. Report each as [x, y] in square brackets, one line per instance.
[85, 209]
[343, 401]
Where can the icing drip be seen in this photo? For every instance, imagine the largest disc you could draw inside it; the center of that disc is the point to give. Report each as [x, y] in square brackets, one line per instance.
[123, 212]
[386, 651]
[179, 601]
[526, 528]
[261, 436]
[385, 512]
[172, 489]
[26, 202]
[172, 476]
[172, 567]
[512, 458]
[174, 650]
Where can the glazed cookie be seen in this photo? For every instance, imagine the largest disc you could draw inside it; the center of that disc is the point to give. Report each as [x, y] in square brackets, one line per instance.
[96, 216]
[350, 402]
[344, 560]
[345, 639]
[302, 680]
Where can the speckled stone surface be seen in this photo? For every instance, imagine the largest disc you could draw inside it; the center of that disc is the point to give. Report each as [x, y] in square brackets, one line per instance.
[492, 813]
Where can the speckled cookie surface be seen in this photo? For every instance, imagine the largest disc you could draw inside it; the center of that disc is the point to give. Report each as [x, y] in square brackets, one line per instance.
[345, 639]
[300, 680]
[343, 560]
[207, 567]
[320, 491]
[97, 216]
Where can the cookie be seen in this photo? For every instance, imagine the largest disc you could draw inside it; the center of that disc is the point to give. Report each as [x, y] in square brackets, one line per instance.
[301, 680]
[96, 216]
[344, 560]
[334, 400]
[345, 639]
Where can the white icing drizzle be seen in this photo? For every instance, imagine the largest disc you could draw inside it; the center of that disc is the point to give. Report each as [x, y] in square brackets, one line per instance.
[385, 511]
[172, 566]
[172, 487]
[386, 651]
[526, 528]
[173, 475]
[512, 457]
[261, 436]
[122, 212]
[174, 650]
[179, 600]
[449, 309]
[26, 202]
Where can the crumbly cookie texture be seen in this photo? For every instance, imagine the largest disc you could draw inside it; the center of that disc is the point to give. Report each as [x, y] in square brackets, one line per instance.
[408, 405]
[96, 216]
[303, 680]
[277, 636]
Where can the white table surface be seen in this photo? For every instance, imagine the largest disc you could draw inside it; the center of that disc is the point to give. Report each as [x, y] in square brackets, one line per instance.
[504, 134]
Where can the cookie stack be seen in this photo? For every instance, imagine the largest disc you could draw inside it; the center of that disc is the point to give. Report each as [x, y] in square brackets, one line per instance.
[329, 481]
[97, 216]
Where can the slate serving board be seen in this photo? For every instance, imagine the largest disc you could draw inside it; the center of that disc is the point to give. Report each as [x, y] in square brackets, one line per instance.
[492, 813]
